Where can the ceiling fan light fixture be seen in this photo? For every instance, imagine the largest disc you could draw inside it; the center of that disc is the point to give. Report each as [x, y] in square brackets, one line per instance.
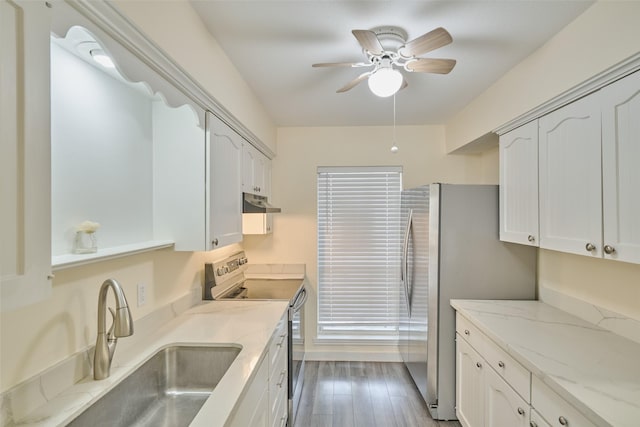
[385, 82]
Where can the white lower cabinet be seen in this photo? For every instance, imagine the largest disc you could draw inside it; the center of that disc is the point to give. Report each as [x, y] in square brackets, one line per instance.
[494, 390]
[254, 407]
[469, 385]
[503, 406]
[278, 376]
[537, 420]
[265, 402]
[555, 410]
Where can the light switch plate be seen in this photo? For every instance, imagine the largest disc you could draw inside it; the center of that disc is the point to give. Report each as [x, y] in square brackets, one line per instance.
[142, 294]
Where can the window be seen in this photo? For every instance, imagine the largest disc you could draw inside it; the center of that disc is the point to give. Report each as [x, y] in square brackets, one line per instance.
[359, 241]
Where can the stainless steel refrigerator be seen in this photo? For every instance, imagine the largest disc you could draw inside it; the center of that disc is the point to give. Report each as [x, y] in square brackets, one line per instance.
[451, 250]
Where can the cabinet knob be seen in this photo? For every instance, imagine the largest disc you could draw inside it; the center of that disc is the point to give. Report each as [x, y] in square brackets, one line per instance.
[533, 424]
[501, 364]
[608, 249]
[479, 365]
[520, 411]
[563, 421]
[531, 238]
[590, 247]
[215, 242]
[466, 332]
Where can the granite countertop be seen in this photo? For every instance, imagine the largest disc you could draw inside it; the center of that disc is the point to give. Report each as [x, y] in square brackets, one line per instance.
[249, 324]
[595, 370]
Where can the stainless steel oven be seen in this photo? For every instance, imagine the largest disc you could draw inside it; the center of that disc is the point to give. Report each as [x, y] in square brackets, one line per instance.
[225, 280]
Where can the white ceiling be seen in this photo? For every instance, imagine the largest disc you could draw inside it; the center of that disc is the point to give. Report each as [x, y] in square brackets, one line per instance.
[274, 43]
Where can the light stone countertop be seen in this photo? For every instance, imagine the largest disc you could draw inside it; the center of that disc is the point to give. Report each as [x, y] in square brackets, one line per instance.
[595, 370]
[249, 324]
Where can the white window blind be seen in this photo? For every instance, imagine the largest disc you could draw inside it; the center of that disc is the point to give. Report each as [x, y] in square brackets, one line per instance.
[359, 241]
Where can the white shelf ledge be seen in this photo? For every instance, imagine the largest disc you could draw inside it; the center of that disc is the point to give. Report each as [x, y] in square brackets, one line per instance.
[60, 262]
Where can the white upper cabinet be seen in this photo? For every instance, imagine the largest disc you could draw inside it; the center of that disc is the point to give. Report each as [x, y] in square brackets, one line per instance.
[224, 183]
[198, 196]
[621, 169]
[25, 154]
[256, 171]
[519, 185]
[570, 178]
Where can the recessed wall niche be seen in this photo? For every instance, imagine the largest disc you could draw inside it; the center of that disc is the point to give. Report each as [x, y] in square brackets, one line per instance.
[103, 131]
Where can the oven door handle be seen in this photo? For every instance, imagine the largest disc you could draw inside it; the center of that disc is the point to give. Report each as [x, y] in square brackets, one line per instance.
[300, 299]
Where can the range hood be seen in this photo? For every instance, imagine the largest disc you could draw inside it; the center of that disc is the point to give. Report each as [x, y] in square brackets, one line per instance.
[257, 204]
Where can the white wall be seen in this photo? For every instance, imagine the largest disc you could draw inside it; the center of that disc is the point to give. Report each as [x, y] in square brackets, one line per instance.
[604, 35]
[300, 152]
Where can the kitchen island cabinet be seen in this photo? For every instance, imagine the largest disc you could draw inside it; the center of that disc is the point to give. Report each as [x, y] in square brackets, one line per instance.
[551, 368]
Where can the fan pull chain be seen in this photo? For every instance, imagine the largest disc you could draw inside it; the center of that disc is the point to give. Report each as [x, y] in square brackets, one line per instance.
[394, 147]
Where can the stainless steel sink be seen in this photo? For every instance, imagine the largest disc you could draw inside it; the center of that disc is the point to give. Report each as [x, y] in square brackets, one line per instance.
[167, 390]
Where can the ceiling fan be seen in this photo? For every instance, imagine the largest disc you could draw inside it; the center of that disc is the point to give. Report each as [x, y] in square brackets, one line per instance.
[386, 48]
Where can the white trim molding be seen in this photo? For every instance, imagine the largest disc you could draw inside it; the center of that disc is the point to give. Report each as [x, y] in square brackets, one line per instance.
[608, 76]
[106, 16]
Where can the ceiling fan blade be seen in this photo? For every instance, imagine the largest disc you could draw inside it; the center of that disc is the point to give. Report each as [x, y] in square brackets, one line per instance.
[431, 65]
[426, 43]
[341, 64]
[369, 41]
[354, 82]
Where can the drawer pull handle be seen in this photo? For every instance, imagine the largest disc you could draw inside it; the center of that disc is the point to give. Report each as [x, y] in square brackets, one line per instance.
[533, 424]
[590, 247]
[608, 249]
[281, 379]
[520, 411]
[479, 365]
[531, 238]
[282, 337]
[563, 421]
[501, 364]
[466, 332]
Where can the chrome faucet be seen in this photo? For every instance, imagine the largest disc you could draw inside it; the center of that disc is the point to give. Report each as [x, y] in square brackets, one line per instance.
[122, 326]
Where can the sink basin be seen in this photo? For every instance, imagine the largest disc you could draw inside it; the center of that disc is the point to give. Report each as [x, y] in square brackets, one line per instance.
[167, 390]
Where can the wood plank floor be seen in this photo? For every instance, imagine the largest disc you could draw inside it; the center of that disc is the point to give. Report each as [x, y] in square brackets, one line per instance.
[362, 394]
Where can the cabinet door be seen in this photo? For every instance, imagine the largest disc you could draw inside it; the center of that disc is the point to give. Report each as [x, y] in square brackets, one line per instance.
[537, 420]
[25, 153]
[519, 185]
[570, 178]
[225, 184]
[256, 171]
[621, 174]
[266, 177]
[503, 406]
[469, 385]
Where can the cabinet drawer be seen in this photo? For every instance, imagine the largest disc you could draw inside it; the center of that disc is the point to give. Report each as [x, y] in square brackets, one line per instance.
[470, 333]
[556, 411]
[281, 413]
[278, 383]
[278, 344]
[508, 368]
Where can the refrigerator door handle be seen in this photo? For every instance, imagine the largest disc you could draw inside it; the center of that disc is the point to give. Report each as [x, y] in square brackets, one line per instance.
[404, 273]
